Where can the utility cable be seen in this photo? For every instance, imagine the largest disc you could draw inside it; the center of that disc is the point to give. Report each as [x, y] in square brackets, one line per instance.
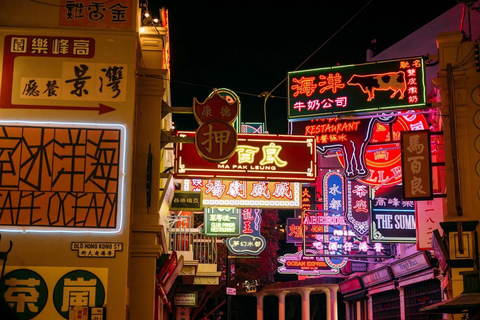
[266, 95]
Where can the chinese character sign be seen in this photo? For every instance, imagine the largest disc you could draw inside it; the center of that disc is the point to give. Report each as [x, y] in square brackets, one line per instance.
[246, 194]
[428, 216]
[222, 222]
[358, 207]
[250, 241]
[392, 217]
[59, 178]
[52, 292]
[216, 138]
[417, 165]
[392, 84]
[334, 204]
[256, 157]
[116, 14]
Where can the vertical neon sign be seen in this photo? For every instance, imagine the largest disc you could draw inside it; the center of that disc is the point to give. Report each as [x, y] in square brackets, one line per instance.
[333, 203]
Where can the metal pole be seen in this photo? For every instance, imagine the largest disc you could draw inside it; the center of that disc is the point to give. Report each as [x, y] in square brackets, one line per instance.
[229, 297]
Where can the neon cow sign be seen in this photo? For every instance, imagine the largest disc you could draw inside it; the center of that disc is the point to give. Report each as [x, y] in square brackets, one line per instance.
[368, 149]
[368, 87]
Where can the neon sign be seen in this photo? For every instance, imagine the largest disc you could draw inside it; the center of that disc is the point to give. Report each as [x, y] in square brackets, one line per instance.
[257, 157]
[60, 177]
[358, 207]
[381, 85]
[222, 222]
[250, 241]
[368, 149]
[392, 218]
[311, 265]
[246, 194]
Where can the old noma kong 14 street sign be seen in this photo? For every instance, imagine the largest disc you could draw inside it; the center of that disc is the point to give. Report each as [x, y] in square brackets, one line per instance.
[256, 157]
[381, 85]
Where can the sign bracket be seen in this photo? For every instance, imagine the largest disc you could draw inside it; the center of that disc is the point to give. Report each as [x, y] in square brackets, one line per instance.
[166, 138]
[166, 109]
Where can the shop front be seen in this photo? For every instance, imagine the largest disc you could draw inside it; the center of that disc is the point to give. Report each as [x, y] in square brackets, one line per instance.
[384, 302]
[355, 298]
[418, 283]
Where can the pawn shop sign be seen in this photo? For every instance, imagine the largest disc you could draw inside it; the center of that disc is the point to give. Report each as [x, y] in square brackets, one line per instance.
[215, 107]
[216, 138]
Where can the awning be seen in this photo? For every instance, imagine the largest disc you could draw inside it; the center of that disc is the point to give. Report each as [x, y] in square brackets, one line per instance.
[358, 295]
[417, 277]
[466, 302]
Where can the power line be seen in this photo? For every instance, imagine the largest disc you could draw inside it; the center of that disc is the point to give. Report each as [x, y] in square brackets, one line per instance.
[267, 94]
[323, 44]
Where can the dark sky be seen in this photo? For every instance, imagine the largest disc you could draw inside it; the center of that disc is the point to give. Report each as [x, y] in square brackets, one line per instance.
[249, 46]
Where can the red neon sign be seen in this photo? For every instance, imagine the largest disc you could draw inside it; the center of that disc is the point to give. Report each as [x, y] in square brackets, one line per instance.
[257, 157]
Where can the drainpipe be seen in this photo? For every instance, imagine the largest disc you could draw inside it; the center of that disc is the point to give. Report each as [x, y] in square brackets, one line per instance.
[453, 137]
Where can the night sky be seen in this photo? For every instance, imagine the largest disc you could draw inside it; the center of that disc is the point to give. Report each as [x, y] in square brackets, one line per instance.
[249, 46]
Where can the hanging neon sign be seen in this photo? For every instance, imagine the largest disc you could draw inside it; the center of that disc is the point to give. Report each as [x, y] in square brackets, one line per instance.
[257, 157]
[246, 194]
[375, 86]
[250, 241]
[368, 149]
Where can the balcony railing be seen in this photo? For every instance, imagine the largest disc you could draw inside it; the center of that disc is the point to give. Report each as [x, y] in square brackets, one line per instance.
[184, 238]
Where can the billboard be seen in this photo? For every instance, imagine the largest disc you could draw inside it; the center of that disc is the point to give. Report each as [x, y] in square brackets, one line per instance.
[375, 86]
[257, 157]
[246, 194]
[392, 217]
[417, 165]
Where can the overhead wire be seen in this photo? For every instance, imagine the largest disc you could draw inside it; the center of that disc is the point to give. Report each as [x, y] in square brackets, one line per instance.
[269, 93]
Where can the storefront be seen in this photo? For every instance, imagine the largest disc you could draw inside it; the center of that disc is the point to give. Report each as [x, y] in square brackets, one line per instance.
[384, 302]
[355, 298]
[418, 282]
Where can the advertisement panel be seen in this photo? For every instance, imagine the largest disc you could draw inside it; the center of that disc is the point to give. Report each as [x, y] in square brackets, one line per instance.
[392, 218]
[368, 87]
[47, 293]
[257, 157]
[417, 165]
[246, 194]
[61, 177]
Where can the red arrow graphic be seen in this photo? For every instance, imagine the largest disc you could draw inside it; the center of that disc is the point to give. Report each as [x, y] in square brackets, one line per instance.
[101, 108]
